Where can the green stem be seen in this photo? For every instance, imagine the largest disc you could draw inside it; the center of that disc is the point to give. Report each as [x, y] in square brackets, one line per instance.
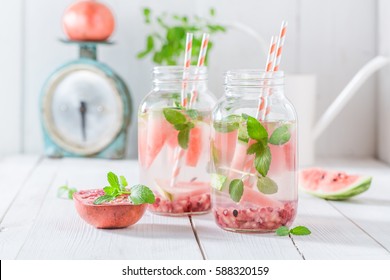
[237, 171]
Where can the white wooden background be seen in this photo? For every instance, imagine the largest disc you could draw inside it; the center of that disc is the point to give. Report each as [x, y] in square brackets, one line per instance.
[331, 39]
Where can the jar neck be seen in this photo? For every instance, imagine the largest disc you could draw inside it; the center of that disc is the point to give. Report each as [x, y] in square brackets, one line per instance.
[174, 78]
[251, 83]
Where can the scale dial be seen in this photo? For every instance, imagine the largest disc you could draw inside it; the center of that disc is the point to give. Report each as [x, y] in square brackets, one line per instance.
[82, 109]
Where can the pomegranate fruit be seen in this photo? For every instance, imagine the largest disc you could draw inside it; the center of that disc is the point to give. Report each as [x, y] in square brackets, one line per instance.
[118, 213]
[88, 20]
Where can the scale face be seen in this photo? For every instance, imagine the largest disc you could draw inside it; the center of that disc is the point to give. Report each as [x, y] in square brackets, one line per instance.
[85, 109]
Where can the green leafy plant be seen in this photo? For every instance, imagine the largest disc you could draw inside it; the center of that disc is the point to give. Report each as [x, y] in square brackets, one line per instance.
[166, 44]
[299, 230]
[66, 192]
[138, 194]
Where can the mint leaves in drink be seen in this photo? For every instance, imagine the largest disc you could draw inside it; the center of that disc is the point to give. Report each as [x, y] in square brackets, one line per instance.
[280, 136]
[181, 124]
[299, 230]
[236, 189]
[138, 194]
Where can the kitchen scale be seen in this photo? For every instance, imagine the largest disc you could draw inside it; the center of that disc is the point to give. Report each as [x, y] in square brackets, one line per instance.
[85, 108]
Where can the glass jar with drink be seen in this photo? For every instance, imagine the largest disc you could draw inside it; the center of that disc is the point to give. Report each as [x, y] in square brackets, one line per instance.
[173, 140]
[254, 154]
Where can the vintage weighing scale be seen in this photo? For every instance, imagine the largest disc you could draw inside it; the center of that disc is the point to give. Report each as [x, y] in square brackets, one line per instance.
[85, 108]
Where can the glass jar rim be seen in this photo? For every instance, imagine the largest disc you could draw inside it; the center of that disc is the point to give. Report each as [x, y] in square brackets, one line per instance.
[253, 78]
[174, 74]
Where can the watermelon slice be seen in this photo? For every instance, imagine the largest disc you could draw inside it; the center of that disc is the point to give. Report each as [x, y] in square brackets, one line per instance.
[181, 189]
[194, 149]
[332, 185]
[157, 131]
[254, 197]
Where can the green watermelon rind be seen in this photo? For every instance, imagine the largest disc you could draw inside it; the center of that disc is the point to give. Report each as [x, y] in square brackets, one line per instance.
[362, 185]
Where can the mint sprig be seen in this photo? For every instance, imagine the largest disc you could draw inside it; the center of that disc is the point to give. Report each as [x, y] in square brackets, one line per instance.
[181, 124]
[66, 192]
[299, 230]
[137, 194]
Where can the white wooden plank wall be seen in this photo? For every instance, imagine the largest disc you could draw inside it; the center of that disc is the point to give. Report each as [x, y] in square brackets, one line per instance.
[320, 41]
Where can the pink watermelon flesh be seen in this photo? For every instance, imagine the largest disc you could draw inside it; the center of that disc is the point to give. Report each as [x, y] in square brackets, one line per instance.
[328, 181]
[239, 157]
[158, 130]
[225, 142]
[330, 184]
[257, 199]
[194, 149]
[142, 136]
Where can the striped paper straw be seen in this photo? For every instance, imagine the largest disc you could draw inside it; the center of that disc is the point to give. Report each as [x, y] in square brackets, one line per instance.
[268, 67]
[201, 59]
[187, 64]
[179, 152]
[282, 37]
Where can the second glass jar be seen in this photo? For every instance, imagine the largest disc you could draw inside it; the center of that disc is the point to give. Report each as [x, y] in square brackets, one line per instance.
[173, 140]
[254, 152]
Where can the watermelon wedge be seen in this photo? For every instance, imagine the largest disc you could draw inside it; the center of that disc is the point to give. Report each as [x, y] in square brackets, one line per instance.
[194, 149]
[157, 131]
[332, 185]
[257, 199]
[181, 189]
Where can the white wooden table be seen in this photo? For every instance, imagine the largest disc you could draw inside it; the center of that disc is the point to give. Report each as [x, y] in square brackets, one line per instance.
[35, 224]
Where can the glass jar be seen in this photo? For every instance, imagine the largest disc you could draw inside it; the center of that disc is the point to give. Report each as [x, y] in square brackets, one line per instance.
[254, 154]
[174, 141]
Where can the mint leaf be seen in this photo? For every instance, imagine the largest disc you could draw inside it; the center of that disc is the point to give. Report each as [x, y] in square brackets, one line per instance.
[300, 230]
[227, 124]
[66, 192]
[123, 181]
[192, 113]
[103, 198]
[183, 138]
[282, 231]
[236, 189]
[263, 161]
[113, 180]
[218, 181]
[190, 125]
[280, 136]
[243, 133]
[110, 190]
[174, 116]
[255, 148]
[266, 185]
[255, 129]
[180, 126]
[140, 194]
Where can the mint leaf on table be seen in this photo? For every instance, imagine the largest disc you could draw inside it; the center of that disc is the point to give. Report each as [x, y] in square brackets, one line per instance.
[174, 117]
[263, 161]
[236, 189]
[282, 231]
[140, 194]
[300, 230]
[256, 130]
[280, 136]
[183, 138]
[103, 198]
[66, 192]
[266, 185]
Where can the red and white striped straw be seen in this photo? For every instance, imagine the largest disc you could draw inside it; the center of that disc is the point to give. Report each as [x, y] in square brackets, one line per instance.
[282, 37]
[201, 60]
[187, 64]
[268, 67]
